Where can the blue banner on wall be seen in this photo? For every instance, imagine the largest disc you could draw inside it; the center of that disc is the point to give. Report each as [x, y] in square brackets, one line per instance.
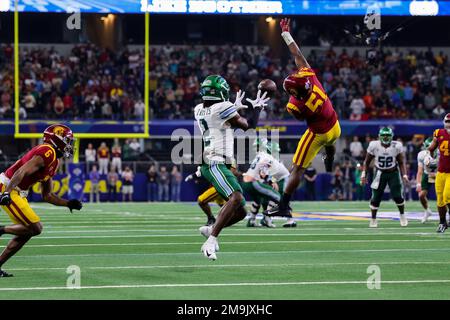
[165, 128]
[291, 7]
[76, 180]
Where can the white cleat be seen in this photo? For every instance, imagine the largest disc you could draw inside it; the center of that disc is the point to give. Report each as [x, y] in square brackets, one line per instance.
[267, 222]
[403, 220]
[373, 223]
[209, 248]
[205, 231]
[426, 215]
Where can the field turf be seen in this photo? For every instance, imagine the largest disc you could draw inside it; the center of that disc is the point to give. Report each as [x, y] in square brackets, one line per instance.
[152, 251]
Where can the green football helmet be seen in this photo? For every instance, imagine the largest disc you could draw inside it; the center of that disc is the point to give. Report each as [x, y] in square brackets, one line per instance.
[386, 135]
[427, 143]
[273, 148]
[260, 145]
[215, 88]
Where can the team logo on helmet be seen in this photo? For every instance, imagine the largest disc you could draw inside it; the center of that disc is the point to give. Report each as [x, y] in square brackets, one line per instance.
[59, 131]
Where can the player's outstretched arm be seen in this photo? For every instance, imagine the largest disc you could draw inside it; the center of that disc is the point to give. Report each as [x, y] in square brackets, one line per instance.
[300, 60]
[51, 198]
[365, 166]
[256, 106]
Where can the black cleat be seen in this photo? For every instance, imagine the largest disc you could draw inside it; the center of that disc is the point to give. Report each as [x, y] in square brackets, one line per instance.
[4, 274]
[279, 212]
[441, 228]
[328, 161]
[290, 224]
[210, 221]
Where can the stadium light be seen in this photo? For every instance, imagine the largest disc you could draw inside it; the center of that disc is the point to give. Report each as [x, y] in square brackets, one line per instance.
[4, 6]
[269, 19]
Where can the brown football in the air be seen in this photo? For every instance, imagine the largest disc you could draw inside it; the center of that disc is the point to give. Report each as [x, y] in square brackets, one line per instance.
[267, 85]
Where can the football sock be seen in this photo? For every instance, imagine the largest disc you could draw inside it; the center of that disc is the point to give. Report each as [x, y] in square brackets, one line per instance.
[285, 199]
[2, 230]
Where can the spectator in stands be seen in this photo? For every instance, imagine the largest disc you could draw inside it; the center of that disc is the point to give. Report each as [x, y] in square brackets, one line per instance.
[175, 184]
[116, 160]
[89, 156]
[135, 148]
[152, 184]
[439, 112]
[103, 158]
[139, 109]
[429, 102]
[420, 113]
[356, 149]
[163, 184]
[339, 97]
[94, 178]
[336, 182]
[347, 181]
[112, 178]
[357, 106]
[127, 184]
[360, 189]
[310, 183]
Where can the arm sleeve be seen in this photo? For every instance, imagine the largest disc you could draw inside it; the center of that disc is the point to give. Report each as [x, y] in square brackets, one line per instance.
[227, 111]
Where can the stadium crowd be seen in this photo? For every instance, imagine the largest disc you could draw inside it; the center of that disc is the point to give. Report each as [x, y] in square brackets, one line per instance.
[98, 83]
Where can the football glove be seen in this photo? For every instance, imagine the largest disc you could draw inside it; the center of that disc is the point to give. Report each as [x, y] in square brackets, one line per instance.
[238, 103]
[285, 25]
[74, 204]
[260, 101]
[5, 199]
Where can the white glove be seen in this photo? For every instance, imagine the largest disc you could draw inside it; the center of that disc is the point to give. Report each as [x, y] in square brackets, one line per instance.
[260, 101]
[238, 103]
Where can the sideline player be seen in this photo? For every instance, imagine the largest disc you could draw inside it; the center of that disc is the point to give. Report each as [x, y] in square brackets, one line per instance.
[217, 118]
[441, 140]
[388, 157]
[37, 165]
[426, 175]
[308, 101]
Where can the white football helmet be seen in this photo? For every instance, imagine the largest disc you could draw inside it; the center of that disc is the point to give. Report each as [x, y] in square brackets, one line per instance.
[447, 121]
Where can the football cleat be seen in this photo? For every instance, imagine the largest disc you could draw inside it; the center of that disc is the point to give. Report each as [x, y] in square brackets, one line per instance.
[266, 221]
[251, 223]
[209, 249]
[426, 215]
[403, 220]
[210, 221]
[328, 162]
[277, 211]
[205, 231]
[290, 223]
[4, 274]
[441, 228]
[373, 223]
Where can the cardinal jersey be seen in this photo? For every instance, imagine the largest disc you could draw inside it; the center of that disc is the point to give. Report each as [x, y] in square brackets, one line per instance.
[317, 109]
[443, 138]
[48, 154]
[385, 158]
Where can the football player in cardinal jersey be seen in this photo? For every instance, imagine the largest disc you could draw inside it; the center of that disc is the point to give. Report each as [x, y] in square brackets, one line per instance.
[309, 102]
[441, 140]
[37, 165]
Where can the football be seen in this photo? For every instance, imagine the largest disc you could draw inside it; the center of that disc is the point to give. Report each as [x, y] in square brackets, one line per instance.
[267, 85]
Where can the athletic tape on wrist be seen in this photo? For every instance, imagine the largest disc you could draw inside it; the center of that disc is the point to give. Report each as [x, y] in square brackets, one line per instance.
[287, 37]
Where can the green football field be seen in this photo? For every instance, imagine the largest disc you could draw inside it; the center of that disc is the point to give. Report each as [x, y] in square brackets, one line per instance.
[152, 251]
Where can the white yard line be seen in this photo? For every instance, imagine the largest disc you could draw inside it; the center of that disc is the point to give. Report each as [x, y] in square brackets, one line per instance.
[368, 234]
[239, 284]
[240, 265]
[223, 242]
[265, 253]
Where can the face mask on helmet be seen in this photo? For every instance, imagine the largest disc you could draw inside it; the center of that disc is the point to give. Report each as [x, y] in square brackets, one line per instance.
[447, 122]
[385, 139]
